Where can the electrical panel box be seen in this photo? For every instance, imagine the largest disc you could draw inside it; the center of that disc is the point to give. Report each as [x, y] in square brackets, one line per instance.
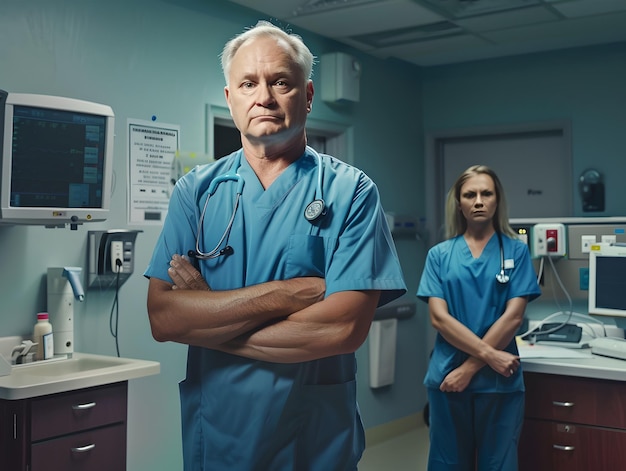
[548, 240]
[111, 258]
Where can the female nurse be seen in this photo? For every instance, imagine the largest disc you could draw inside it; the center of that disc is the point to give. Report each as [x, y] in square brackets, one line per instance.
[477, 284]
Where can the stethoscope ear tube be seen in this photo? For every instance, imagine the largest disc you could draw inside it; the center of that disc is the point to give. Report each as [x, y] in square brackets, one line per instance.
[313, 211]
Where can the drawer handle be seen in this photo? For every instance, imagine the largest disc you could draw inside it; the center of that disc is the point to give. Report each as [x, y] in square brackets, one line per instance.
[83, 449]
[563, 404]
[563, 447]
[88, 405]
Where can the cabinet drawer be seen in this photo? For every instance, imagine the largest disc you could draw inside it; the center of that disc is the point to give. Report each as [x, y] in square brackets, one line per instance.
[555, 446]
[66, 413]
[103, 449]
[576, 400]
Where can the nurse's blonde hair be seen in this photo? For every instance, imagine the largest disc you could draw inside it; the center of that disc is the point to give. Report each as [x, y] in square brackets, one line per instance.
[300, 52]
[456, 224]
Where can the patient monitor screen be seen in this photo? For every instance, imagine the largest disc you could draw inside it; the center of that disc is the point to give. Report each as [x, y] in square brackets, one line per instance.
[611, 282]
[58, 158]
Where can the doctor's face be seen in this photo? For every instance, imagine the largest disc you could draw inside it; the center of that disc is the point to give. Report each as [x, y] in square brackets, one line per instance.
[267, 94]
[478, 199]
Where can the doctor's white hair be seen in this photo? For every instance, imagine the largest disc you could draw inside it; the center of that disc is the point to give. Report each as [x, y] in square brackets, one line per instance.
[456, 224]
[301, 53]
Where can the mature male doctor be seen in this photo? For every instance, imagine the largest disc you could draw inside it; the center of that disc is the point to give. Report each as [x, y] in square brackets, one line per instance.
[294, 255]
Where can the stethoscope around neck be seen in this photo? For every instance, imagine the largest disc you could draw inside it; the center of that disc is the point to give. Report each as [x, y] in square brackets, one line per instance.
[502, 276]
[312, 212]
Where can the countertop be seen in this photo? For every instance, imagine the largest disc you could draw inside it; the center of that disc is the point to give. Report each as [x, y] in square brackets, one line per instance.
[587, 365]
[83, 370]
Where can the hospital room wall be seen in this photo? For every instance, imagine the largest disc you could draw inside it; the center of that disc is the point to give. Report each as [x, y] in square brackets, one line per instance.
[583, 85]
[159, 58]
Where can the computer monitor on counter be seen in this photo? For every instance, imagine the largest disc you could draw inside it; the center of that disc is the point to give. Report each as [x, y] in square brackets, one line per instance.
[607, 280]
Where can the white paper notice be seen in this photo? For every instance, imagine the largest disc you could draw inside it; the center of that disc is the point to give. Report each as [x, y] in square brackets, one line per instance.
[151, 148]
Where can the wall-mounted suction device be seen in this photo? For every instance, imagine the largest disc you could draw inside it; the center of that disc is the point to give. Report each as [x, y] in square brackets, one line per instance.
[64, 287]
[591, 187]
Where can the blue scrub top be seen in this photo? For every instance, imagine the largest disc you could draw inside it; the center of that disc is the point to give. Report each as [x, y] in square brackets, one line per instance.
[242, 414]
[477, 300]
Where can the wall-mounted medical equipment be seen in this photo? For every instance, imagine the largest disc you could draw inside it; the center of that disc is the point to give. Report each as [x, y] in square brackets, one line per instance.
[548, 240]
[64, 288]
[591, 188]
[340, 77]
[607, 283]
[57, 160]
[111, 257]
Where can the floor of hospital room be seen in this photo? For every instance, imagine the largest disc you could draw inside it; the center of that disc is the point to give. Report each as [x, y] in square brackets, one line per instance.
[406, 452]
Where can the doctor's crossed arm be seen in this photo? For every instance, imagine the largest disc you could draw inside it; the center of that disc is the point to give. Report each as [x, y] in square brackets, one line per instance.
[286, 321]
[190, 312]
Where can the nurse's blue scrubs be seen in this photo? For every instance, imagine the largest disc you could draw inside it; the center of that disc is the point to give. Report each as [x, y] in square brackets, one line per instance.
[241, 414]
[487, 416]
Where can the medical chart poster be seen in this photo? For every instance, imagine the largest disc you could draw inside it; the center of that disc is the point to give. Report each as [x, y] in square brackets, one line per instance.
[151, 149]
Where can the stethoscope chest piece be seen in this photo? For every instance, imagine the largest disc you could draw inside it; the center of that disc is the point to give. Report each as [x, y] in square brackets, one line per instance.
[502, 277]
[314, 210]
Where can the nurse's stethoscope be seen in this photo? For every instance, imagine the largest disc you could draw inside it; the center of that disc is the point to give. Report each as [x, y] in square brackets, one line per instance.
[502, 276]
[313, 211]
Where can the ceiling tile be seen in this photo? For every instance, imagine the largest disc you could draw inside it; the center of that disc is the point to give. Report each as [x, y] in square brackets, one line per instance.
[435, 32]
[457, 43]
[577, 8]
[508, 19]
[367, 18]
[457, 9]
[570, 33]
[277, 8]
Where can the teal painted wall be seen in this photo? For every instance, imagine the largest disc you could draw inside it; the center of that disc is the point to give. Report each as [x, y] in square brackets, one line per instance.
[160, 58]
[584, 86]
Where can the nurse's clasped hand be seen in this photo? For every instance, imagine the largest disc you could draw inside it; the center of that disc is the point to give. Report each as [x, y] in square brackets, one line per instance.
[458, 379]
[503, 362]
[500, 361]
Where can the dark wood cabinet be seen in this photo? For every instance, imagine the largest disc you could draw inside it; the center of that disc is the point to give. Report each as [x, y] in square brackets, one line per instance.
[573, 423]
[82, 430]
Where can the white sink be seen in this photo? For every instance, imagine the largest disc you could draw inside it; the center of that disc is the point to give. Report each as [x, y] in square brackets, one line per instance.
[83, 370]
[69, 366]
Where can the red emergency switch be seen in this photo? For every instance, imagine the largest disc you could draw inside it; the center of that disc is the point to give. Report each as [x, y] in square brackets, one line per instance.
[552, 238]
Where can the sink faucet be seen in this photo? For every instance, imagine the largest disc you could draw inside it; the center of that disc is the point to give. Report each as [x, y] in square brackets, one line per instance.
[21, 352]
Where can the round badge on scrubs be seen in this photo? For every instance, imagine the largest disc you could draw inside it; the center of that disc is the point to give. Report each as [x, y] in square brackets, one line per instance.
[314, 209]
